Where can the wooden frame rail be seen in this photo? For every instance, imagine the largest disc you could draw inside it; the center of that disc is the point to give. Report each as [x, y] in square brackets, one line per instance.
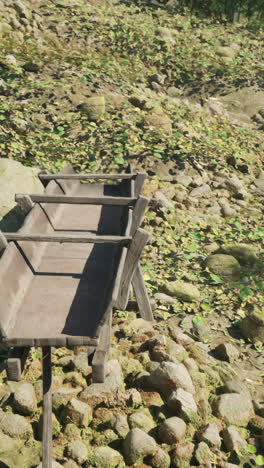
[43, 176]
[90, 239]
[119, 201]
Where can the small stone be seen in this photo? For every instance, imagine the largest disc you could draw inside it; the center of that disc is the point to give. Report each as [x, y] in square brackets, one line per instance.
[106, 457]
[138, 325]
[245, 254]
[172, 91]
[181, 455]
[78, 412]
[223, 265]
[235, 409]
[228, 211]
[164, 298]
[75, 379]
[202, 191]
[120, 425]
[160, 200]
[211, 436]
[226, 352]
[141, 419]
[158, 121]
[252, 326]
[233, 439]
[78, 451]
[257, 424]
[182, 403]
[15, 425]
[25, 399]
[172, 430]
[138, 445]
[203, 454]
[113, 382]
[161, 459]
[225, 51]
[183, 179]
[63, 395]
[80, 364]
[184, 291]
[234, 184]
[236, 385]
[169, 376]
[94, 108]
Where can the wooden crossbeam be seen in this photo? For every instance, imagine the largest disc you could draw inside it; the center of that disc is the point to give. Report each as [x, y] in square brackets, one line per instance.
[119, 201]
[85, 176]
[89, 239]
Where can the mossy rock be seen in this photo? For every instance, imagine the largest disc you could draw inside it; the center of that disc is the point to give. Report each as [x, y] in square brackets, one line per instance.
[243, 253]
[94, 108]
[184, 291]
[159, 121]
[252, 327]
[225, 266]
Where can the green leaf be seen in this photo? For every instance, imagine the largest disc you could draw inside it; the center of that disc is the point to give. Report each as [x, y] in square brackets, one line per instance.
[259, 460]
[250, 448]
[216, 279]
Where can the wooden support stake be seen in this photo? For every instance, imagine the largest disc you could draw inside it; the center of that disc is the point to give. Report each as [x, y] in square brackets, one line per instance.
[119, 201]
[47, 408]
[101, 353]
[84, 176]
[3, 242]
[138, 213]
[142, 295]
[15, 362]
[139, 181]
[24, 201]
[134, 252]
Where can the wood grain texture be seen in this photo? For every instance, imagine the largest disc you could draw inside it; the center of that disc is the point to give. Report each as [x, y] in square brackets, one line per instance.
[47, 408]
[134, 252]
[15, 362]
[92, 239]
[139, 181]
[101, 353]
[24, 201]
[142, 295]
[75, 200]
[85, 176]
[138, 213]
[3, 242]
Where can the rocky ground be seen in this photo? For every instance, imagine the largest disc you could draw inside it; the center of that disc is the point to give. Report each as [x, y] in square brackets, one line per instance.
[181, 99]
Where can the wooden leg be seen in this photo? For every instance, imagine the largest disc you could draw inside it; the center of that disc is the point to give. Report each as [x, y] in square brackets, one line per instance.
[142, 295]
[47, 408]
[102, 351]
[15, 362]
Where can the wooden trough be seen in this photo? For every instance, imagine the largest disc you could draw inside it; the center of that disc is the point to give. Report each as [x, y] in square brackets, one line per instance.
[61, 274]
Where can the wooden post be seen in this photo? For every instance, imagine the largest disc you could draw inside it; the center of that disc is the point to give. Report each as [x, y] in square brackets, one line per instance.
[101, 352]
[3, 242]
[47, 408]
[139, 181]
[142, 295]
[138, 213]
[24, 201]
[15, 362]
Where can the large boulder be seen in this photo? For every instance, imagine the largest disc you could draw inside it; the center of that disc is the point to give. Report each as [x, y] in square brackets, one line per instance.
[15, 178]
[137, 445]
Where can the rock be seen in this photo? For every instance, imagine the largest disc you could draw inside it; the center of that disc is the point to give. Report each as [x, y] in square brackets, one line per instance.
[160, 200]
[166, 34]
[137, 445]
[75, 379]
[169, 376]
[181, 455]
[80, 364]
[77, 412]
[202, 191]
[226, 352]
[233, 439]
[141, 419]
[182, 403]
[15, 425]
[113, 382]
[234, 184]
[94, 108]
[78, 451]
[245, 254]
[53, 465]
[242, 104]
[235, 385]
[161, 459]
[172, 91]
[257, 424]
[138, 325]
[225, 51]
[172, 430]
[106, 457]
[159, 122]
[61, 397]
[120, 424]
[203, 454]
[235, 409]
[71, 464]
[25, 399]
[164, 298]
[184, 291]
[223, 265]
[15, 178]
[227, 210]
[211, 436]
[252, 326]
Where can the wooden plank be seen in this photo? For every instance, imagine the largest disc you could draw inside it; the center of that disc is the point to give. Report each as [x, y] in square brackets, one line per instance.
[134, 252]
[101, 353]
[15, 362]
[138, 213]
[91, 239]
[24, 201]
[3, 242]
[142, 295]
[43, 176]
[139, 181]
[119, 201]
[47, 408]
